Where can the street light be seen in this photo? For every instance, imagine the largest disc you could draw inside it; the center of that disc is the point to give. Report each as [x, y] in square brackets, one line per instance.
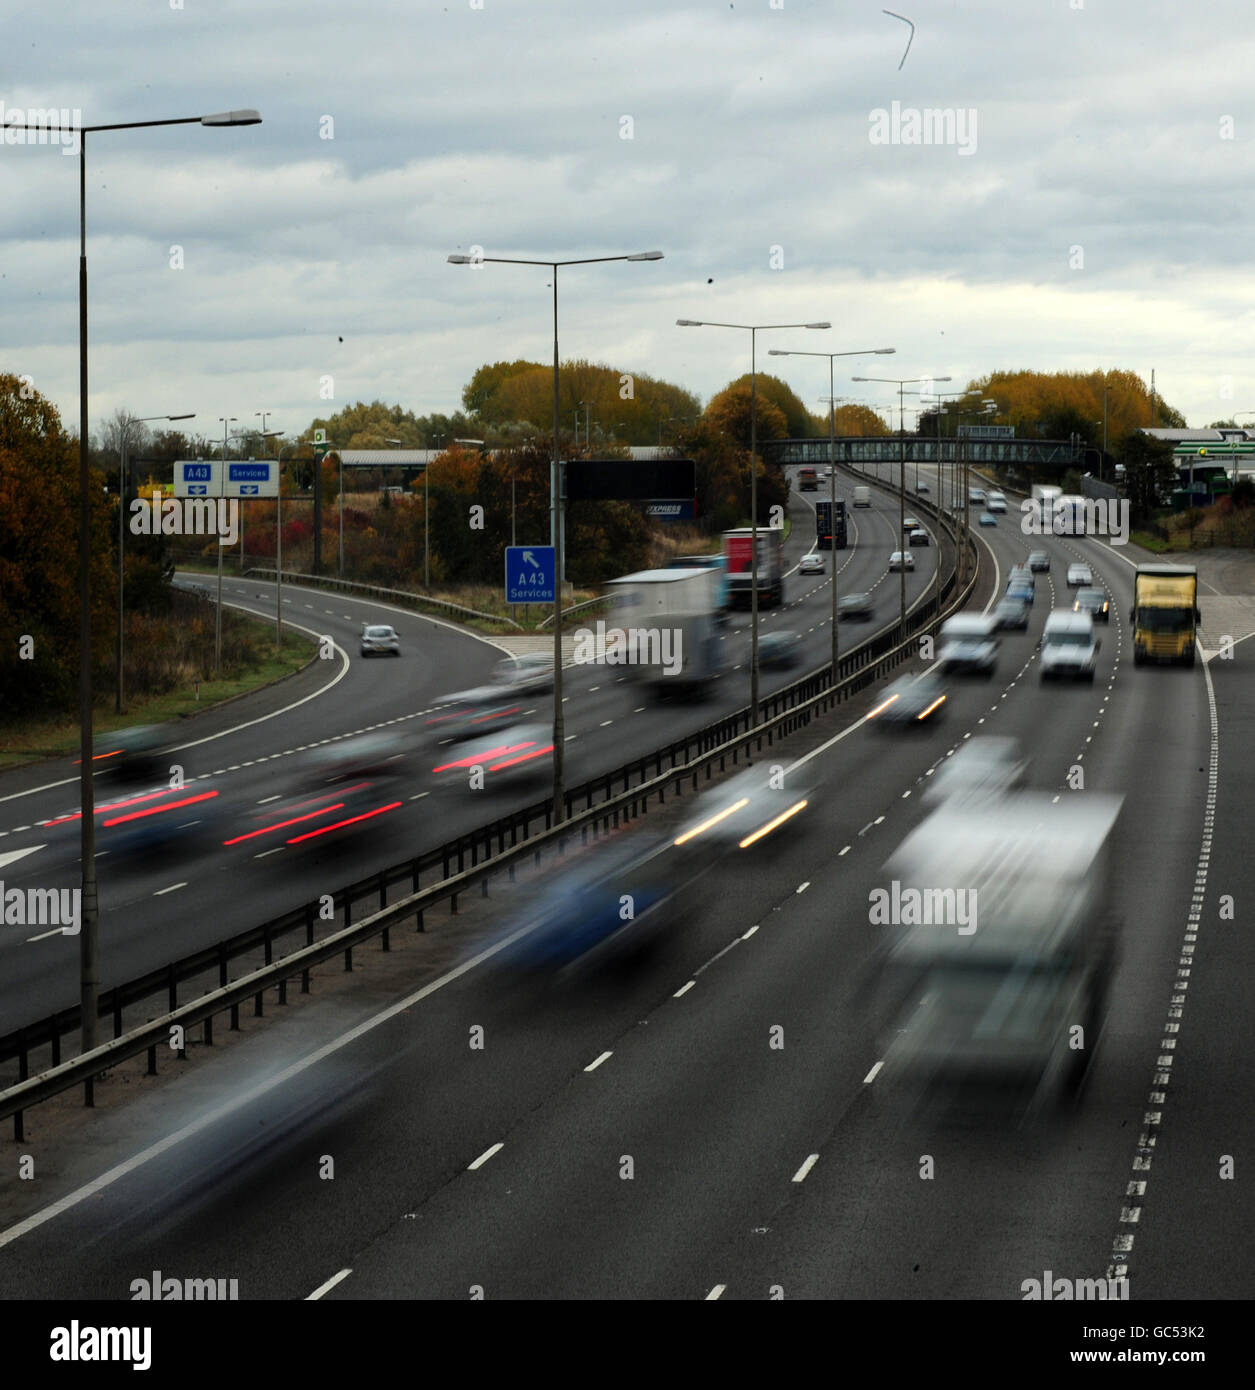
[555, 495]
[439, 438]
[123, 466]
[89, 936]
[900, 383]
[224, 420]
[752, 329]
[832, 461]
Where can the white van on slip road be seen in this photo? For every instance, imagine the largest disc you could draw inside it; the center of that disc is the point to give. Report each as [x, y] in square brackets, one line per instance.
[862, 497]
[1068, 647]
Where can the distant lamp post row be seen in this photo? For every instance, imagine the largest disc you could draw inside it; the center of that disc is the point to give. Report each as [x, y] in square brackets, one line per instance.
[123, 480]
[832, 461]
[753, 329]
[555, 503]
[901, 383]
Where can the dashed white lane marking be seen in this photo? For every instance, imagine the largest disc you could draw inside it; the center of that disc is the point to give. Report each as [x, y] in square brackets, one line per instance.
[684, 989]
[264, 854]
[161, 892]
[800, 1175]
[266, 799]
[640, 709]
[329, 1285]
[418, 796]
[873, 1074]
[802, 887]
[745, 936]
[1131, 1209]
[485, 1156]
[606, 723]
[593, 1065]
[715, 1292]
[43, 936]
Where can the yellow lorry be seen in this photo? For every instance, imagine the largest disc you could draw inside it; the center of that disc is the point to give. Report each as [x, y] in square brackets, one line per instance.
[1165, 614]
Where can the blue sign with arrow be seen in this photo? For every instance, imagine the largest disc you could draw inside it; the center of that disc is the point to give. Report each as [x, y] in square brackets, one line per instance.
[529, 576]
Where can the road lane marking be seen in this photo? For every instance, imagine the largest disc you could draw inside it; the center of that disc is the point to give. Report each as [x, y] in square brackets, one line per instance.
[485, 1156]
[161, 892]
[329, 1285]
[800, 1175]
[715, 1292]
[684, 989]
[43, 936]
[593, 1065]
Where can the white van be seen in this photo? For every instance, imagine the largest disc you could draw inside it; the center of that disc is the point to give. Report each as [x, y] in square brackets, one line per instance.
[862, 497]
[995, 502]
[968, 643]
[1068, 647]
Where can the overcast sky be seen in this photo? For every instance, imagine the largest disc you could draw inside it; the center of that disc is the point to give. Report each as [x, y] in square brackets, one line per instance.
[1088, 213]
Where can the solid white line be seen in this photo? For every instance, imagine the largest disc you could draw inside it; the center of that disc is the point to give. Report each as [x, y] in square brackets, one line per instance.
[162, 891]
[592, 1066]
[234, 1105]
[872, 1075]
[684, 989]
[800, 1175]
[715, 1292]
[329, 1285]
[484, 1157]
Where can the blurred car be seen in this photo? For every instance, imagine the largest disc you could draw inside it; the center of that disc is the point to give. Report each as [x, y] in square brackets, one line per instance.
[855, 606]
[473, 713]
[1012, 611]
[1039, 560]
[921, 489]
[1094, 602]
[740, 812]
[1068, 647]
[1020, 590]
[967, 643]
[502, 757]
[1021, 572]
[811, 564]
[910, 700]
[975, 495]
[983, 768]
[780, 649]
[988, 519]
[378, 638]
[608, 900]
[1080, 575]
[901, 559]
[143, 753]
[918, 537]
[910, 523]
[532, 672]
[996, 502]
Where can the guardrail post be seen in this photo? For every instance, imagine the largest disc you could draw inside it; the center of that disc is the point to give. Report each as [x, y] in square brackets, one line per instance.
[348, 958]
[235, 1018]
[209, 1031]
[383, 892]
[222, 965]
[56, 1044]
[174, 990]
[283, 991]
[259, 1001]
[269, 956]
[117, 1013]
[386, 943]
[309, 924]
[152, 1061]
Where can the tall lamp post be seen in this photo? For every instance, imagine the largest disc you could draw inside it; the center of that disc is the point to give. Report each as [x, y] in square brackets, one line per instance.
[901, 383]
[439, 438]
[89, 937]
[555, 504]
[123, 466]
[224, 421]
[753, 330]
[832, 460]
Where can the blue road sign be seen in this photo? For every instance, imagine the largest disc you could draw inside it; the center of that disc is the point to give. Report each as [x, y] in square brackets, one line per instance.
[248, 472]
[529, 574]
[197, 472]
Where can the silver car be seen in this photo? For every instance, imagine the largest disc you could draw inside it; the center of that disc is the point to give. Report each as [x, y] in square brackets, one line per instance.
[901, 559]
[378, 638]
[532, 673]
[811, 564]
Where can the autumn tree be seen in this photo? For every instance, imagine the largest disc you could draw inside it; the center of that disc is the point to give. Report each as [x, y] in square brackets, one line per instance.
[730, 412]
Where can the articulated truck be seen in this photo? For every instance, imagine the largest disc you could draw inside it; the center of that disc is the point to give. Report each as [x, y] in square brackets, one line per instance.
[737, 547]
[665, 627]
[1165, 614]
[825, 535]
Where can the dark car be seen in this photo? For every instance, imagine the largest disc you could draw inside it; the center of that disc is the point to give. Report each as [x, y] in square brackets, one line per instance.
[780, 649]
[1018, 589]
[1039, 560]
[911, 701]
[1012, 611]
[1094, 602]
[855, 606]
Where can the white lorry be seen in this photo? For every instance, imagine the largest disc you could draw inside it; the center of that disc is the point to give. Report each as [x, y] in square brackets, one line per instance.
[664, 627]
[862, 496]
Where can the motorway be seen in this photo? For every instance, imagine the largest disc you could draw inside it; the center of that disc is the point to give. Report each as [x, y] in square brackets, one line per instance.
[710, 1124]
[157, 906]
